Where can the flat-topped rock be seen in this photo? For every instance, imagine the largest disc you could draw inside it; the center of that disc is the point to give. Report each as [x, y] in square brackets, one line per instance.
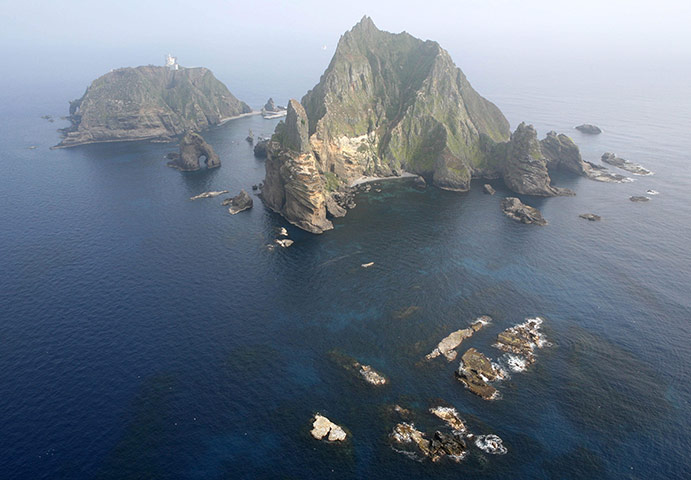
[447, 347]
[613, 159]
[476, 371]
[489, 189]
[450, 416]
[517, 210]
[639, 198]
[209, 194]
[591, 216]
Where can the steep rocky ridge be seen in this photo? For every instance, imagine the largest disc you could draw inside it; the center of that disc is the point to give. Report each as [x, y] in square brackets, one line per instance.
[149, 103]
[390, 102]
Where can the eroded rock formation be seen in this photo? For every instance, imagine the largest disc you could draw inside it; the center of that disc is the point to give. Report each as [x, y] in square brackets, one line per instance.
[293, 186]
[519, 211]
[192, 148]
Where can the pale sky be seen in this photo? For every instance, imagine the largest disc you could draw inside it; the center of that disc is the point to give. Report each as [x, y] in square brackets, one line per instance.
[260, 39]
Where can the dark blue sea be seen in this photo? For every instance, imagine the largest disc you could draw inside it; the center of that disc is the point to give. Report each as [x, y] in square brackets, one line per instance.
[147, 336]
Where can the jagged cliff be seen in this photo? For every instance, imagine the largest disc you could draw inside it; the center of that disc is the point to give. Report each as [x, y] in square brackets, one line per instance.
[149, 103]
[293, 185]
[389, 103]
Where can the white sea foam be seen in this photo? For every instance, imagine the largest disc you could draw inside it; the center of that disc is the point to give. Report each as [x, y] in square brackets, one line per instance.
[491, 444]
[516, 363]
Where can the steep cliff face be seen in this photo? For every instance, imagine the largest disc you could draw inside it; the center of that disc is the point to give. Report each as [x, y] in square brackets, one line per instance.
[390, 102]
[149, 103]
[525, 167]
[293, 186]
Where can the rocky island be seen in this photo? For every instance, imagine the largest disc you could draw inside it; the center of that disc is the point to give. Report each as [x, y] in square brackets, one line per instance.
[149, 103]
[389, 104]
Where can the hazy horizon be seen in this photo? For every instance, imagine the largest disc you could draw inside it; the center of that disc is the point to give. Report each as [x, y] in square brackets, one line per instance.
[245, 45]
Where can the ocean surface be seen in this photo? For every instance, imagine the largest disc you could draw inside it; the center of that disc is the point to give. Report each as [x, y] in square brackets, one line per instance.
[144, 335]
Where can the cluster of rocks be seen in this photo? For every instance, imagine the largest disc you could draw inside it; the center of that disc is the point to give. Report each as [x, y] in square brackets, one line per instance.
[284, 242]
[476, 371]
[442, 444]
[439, 445]
[522, 339]
[325, 429]
[517, 210]
[619, 162]
[447, 347]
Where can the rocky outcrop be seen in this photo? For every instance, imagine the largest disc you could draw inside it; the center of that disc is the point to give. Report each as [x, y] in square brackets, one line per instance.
[441, 445]
[591, 216]
[323, 428]
[270, 106]
[526, 166]
[589, 129]
[488, 189]
[369, 374]
[619, 162]
[522, 339]
[260, 148]
[476, 371]
[293, 186]
[451, 417]
[517, 210]
[447, 347]
[560, 152]
[639, 198]
[209, 194]
[192, 148]
[149, 103]
[239, 203]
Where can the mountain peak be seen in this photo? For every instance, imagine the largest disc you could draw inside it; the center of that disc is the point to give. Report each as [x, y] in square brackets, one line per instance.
[365, 24]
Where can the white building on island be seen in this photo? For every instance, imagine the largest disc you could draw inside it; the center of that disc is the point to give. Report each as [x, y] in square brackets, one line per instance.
[172, 62]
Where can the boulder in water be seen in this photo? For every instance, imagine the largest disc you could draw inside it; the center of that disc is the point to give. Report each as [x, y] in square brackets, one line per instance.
[589, 129]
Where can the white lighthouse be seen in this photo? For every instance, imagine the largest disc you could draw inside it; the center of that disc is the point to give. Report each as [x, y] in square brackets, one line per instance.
[172, 62]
